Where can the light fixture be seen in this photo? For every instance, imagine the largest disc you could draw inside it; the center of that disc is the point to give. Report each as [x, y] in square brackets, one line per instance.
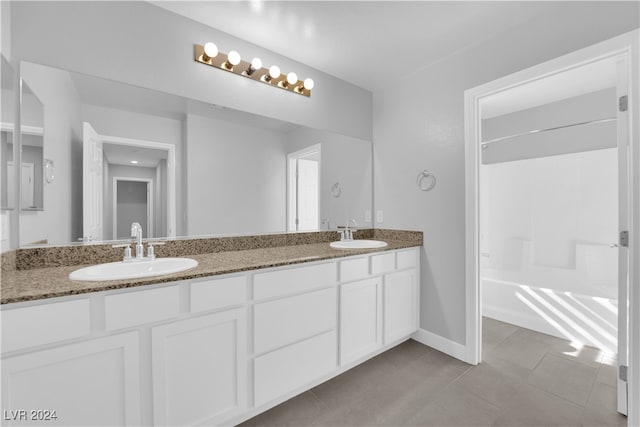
[292, 78]
[274, 73]
[306, 85]
[134, 162]
[256, 64]
[209, 54]
[210, 51]
[233, 59]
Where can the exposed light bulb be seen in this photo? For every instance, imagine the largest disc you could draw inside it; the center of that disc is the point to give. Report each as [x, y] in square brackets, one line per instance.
[256, 63]
[233, 57]
[210, 50]
[274, 72]
[308, 84]
[292, 78]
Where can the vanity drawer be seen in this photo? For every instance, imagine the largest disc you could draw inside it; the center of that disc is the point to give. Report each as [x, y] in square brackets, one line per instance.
[354, 269]
[292, 367]
[218, 293]
[136, 308]
[293, 280]
[407, 259]
[284, 321]
[44, 324]
[383, 263]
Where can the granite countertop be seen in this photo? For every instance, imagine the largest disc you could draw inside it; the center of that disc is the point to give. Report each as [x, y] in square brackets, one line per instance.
[50, 282]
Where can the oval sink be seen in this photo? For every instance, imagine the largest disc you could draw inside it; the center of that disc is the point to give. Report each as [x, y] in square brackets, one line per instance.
[358, 244]
[133, 270]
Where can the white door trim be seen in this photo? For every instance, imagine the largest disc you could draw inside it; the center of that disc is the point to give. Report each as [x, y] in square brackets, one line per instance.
[625, 46]
[150, 201]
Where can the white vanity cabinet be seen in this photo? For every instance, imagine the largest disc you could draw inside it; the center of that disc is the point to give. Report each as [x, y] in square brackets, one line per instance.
[89, 383]
[401, 302]
[400, 310]
[199, 369]
[360, 319]
[294, 328]
[209, 351]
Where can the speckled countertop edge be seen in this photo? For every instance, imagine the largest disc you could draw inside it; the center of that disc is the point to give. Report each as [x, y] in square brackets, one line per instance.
[52, 282]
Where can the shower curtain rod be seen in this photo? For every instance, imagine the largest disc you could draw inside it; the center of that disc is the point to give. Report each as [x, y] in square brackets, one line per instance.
[483, 144]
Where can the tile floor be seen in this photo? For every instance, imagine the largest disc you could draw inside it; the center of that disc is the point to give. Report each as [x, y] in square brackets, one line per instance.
[526, 379]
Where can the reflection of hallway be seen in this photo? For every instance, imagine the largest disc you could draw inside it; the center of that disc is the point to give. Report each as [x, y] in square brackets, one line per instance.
[525, 378]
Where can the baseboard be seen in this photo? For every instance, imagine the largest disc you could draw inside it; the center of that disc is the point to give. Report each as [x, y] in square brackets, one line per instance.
[442, 344]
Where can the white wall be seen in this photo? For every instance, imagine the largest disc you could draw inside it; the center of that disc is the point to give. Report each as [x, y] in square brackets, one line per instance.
[144, 45]
[62, 143]
[246, 196]
[347, 161]
[423, 128]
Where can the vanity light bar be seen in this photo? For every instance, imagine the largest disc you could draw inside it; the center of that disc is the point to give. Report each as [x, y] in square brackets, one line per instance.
[209, 54]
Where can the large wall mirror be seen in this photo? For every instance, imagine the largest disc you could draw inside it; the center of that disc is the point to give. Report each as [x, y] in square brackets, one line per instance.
[182, 167]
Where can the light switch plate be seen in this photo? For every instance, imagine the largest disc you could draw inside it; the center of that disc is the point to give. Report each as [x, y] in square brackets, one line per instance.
[379, 216]
[367, 215]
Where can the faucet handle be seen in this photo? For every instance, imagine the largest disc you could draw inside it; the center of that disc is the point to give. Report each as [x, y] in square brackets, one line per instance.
[127, 251]
[151, 253]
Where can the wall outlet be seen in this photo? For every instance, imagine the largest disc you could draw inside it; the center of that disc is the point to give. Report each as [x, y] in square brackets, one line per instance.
[379, 216]
[367, 215]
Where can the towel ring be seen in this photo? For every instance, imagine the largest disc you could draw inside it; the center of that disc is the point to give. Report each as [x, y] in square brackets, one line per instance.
[336, 191]
[426, 180]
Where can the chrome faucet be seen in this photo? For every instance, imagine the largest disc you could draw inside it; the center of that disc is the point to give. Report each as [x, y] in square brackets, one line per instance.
[347, 234]
[136, 231]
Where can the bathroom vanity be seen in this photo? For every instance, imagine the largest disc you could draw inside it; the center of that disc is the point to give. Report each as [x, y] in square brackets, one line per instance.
[215, 345]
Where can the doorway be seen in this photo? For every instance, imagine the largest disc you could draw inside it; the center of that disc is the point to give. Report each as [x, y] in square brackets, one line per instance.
[303, 189]
[538, 81]
[132, 202]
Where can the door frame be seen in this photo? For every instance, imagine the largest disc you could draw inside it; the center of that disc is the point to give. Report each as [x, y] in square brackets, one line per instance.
[150, 211]
[316, 148]
[626, 47]
[171, 173]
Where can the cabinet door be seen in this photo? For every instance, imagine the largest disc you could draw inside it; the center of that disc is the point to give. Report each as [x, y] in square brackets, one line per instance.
[400, 293]
[96, 382]
[360, 319]
[199, 369]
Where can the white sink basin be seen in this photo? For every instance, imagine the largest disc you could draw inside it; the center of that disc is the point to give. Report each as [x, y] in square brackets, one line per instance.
[133, 270]
[358, 244]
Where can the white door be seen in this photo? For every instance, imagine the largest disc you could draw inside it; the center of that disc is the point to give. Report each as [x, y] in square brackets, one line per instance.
[92, 159]
[199, 369]
[623, 224]
[304, 189]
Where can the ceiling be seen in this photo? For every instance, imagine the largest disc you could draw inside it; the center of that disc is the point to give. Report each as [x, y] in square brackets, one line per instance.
[347, 38]
[118, 154]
